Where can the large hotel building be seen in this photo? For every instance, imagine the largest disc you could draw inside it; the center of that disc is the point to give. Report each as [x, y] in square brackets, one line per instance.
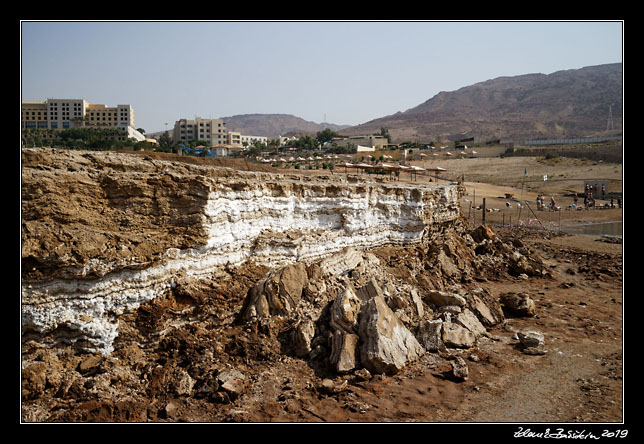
[72, 113]
[212, 131]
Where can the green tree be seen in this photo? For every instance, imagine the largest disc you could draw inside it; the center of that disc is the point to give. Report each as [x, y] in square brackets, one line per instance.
[165, 142]
[306, 143]
[326, 135]
[384, 132]
[273, 144]
[253, 151]
[259, 145]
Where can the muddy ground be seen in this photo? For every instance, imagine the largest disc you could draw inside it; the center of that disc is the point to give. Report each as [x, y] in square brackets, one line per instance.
[580, 378]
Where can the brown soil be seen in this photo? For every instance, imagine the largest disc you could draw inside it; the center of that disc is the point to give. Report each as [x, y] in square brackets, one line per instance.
[579, 379]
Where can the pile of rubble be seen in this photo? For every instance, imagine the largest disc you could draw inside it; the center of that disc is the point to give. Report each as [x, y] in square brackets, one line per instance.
[350, 313]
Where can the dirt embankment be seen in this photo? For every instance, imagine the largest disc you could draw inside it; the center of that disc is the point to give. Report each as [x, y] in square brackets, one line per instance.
[191, 354]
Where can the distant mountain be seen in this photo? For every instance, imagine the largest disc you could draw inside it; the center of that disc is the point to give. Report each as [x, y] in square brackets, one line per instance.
[564, 104]
[273, 125]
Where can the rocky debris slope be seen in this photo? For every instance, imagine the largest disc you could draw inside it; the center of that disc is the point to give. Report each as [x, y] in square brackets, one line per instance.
[103, 233]
[209, 344]
[350, 310]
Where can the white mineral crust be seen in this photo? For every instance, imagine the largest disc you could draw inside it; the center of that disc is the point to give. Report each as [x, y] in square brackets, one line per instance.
[267, 223]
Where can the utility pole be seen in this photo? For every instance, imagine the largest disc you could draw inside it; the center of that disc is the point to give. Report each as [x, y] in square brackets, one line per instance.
[609, 125]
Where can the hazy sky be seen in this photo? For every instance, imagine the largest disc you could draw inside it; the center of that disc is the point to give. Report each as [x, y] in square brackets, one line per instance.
[350, 72]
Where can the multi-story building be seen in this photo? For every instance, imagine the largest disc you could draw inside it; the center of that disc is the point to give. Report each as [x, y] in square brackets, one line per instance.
[250, 140]
[35, 114]
[212, 131]
[103, 116]
[238, 139]
[370, 141]
[234, 138]
[70, 113]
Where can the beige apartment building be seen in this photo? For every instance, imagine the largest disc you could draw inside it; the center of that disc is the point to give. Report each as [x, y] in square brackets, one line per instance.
[212, 131]
[104, 116]
[234, 138]
[371, 141]
[34, 114]
[72, 113]
[238, 139]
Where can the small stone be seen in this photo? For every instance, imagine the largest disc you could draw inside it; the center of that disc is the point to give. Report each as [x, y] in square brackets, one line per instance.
[483, 232]
[233, 382]
[441, 298]
[518, 304]
[468, 320]
[362, 374]
[332, 387]
[182, 383]
[531, 338]
[170, 409]
[459, 369]
[533, 342]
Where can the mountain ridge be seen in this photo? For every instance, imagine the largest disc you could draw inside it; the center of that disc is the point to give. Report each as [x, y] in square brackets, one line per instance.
[566, 103]
[274, 125]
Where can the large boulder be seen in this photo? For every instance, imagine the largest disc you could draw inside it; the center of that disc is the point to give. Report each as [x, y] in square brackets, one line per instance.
[387, 345]
[468, 320]
[487, 309]
[455, 335]
[278, 293]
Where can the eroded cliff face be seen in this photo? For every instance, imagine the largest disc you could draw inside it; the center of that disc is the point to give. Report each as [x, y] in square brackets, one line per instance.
[103, 233]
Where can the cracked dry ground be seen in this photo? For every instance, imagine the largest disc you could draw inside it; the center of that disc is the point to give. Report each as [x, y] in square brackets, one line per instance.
[578, 379]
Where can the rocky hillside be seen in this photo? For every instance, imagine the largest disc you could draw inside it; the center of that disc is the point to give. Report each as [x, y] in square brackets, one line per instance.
[570, 103]
[274, 125]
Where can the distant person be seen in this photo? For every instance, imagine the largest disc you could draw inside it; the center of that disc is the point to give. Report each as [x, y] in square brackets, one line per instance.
[539, 201]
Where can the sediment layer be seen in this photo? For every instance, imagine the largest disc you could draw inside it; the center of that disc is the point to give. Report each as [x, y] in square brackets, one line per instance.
[103, 233]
